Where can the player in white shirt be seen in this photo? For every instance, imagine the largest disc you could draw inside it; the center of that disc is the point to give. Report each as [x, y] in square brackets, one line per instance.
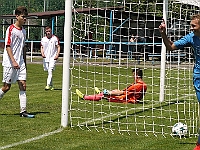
[50, 50]
[14, 59]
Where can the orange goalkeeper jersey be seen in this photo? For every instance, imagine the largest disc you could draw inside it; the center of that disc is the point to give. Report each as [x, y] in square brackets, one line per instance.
[132, 94]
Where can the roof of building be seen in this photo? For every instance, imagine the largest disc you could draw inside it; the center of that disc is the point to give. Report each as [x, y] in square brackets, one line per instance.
[50, 14]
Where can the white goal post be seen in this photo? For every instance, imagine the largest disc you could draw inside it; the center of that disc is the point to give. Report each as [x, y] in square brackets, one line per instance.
[163, 56]
[66, 63]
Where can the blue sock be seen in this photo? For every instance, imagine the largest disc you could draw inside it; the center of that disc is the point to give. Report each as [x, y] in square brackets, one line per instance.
[198, 139]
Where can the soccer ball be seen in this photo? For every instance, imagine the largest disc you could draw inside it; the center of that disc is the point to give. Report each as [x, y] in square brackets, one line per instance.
[179, 129]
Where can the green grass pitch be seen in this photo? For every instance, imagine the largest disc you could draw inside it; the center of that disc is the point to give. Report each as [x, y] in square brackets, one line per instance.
[19, 133]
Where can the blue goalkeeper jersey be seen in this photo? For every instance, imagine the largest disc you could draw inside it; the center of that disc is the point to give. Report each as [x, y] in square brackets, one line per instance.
[193, 41]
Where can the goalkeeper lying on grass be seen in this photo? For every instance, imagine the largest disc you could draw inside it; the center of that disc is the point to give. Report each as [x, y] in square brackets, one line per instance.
[131, 94]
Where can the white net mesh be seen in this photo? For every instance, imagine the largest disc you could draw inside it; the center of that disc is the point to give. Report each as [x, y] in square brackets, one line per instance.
[103, 56]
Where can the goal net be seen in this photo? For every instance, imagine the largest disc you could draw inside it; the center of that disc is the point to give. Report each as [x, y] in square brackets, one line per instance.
[103, 55]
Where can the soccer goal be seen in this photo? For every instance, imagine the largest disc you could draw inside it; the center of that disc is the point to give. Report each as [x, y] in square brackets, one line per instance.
[102, 55]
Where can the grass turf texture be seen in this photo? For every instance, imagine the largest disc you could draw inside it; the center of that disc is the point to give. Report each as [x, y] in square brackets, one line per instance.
[46, 105]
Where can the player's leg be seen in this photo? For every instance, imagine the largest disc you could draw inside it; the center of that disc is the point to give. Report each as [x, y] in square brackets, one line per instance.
[46, 68]
[49, 79]
[9, 76]
[97, 90]
[22, 92]
[196, 81]
[115, 92]
[49, 67]
[5, 88]
[50, 73]
[95, 97]
[198, 140]
[22, 95]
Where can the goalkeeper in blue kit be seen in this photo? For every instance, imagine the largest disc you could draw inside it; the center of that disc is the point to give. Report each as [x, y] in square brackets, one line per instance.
[193, 40]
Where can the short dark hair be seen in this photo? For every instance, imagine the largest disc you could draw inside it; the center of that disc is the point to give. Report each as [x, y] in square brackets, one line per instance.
[138, 72]
[48, 27]
[21, 10]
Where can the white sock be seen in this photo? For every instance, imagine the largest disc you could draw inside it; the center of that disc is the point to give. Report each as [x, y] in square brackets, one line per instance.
[1, 94]
[49, 78]
[23, 100]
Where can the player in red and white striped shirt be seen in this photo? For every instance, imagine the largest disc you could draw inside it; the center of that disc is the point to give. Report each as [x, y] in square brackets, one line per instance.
[14, 59]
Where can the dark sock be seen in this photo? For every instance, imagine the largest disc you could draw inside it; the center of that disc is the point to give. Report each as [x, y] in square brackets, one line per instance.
[198, 139]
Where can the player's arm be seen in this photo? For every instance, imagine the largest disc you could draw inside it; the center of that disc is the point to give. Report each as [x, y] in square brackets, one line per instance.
[10, 54]
[42, 51]
[58, 48]
[24, 54]
[168, 43]
[130, 89]
[58, 52]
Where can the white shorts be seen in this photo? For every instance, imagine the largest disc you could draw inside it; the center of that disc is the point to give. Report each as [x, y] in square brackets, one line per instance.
[11, 75]
[49, 65]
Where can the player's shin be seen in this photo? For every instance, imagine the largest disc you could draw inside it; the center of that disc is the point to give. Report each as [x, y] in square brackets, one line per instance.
[1, 94]
[199, 125]
[23, 100]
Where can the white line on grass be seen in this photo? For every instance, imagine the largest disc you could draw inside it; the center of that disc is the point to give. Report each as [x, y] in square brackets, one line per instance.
[32, 139]
[61, 129]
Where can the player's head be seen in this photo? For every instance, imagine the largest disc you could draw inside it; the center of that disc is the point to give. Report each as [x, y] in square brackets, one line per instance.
[21, 13]
[137, 73]
[195, 24]
[48, 32]
[196, 16]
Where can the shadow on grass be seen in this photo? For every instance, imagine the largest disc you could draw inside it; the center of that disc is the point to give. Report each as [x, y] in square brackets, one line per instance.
[57, 89]
[33, 113]
[186, 143]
